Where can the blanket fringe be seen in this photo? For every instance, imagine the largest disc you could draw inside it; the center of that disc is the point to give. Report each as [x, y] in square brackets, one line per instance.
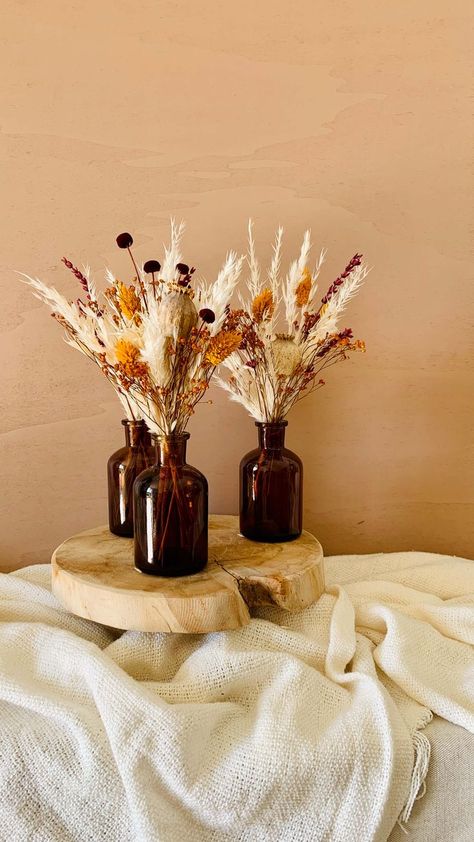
[422, 747]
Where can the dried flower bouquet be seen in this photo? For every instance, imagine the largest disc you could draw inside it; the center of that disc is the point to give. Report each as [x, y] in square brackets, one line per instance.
[288, 338]
[156, 339]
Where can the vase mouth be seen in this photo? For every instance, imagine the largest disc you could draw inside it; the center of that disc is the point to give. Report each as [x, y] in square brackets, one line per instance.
[171, 436]
[133, 422]
[271, 423]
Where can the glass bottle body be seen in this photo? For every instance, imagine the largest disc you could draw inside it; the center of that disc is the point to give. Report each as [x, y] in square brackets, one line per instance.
[271, 488]
[123, 467]
[171, 513]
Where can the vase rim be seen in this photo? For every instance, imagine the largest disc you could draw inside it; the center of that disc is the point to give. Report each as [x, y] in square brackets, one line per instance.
[161, 436]
[271, 423]
[133, 422]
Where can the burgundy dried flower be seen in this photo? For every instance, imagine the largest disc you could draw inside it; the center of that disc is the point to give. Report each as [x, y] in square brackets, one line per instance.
[151, 266]
[356, 261]
[207, 315]
[80, 277]
[125, 240]
[182, 268]
[310, 320]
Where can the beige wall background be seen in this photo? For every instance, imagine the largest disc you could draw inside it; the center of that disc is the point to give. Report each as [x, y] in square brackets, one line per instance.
[347, 117]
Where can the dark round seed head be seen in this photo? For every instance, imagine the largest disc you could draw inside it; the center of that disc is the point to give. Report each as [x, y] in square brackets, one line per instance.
[207, 315]
[124, 241]
[151, 266]
[182, 268]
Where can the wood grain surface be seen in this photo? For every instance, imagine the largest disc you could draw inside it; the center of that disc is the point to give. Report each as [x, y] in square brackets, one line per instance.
[350, 118]
[93, 576]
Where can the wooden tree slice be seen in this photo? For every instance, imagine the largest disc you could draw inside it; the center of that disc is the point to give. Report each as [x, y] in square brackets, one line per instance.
[94, 576]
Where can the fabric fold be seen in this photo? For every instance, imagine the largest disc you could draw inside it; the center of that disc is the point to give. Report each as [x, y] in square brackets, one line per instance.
[299, 727]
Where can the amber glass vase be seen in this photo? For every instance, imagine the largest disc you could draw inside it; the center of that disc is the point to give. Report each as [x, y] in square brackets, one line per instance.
[170, 504]
[123, 468]
[271, 488]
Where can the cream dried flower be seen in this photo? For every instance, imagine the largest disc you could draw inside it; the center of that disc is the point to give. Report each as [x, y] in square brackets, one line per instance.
[286, 355]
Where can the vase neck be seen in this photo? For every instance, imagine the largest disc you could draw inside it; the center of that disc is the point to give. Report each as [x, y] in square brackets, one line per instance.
[136, 433]
[271, 436]
[171, 449]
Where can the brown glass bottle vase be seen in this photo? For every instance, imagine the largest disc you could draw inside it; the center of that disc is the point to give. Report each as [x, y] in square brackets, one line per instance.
[271, 488]
[171, 513]
[123, 468]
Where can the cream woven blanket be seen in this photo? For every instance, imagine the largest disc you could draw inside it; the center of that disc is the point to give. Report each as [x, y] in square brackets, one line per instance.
[297, 728]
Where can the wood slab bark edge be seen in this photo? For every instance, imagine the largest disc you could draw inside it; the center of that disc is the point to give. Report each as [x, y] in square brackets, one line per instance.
[94, 577]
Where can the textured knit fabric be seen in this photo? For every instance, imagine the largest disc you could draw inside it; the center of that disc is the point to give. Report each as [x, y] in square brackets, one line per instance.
[446, 811]
[296, 728]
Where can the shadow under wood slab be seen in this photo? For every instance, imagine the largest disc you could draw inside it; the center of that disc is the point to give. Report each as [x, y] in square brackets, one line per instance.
[93, 576]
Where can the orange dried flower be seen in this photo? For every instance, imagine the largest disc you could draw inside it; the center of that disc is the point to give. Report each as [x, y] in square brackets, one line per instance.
[263, 305]
[129, 360]
[128, 300]
[304, 288]
[222, 345]
[359, 345]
